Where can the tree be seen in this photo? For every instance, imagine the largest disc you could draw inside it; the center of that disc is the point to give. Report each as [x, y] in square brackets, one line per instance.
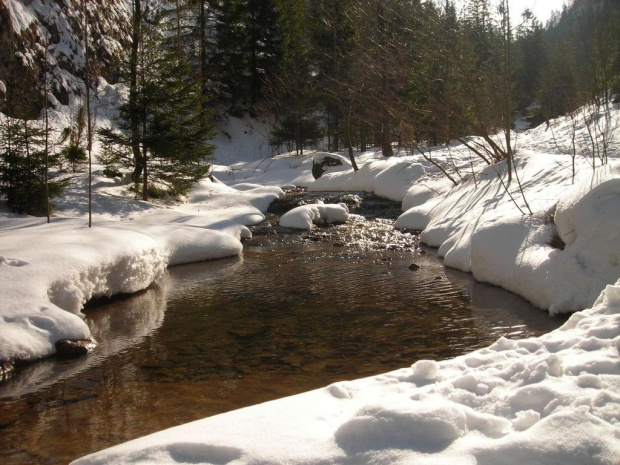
[74, 152]
[163, 120]
[334, 48]
[290, 92]
[246, 48]
[23, 161]
[89, 116]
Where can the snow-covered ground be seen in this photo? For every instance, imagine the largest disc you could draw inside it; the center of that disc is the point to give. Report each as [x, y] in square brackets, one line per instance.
[49, 271]
[553, 399]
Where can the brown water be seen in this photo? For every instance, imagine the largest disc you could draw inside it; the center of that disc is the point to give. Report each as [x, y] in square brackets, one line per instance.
[279, 320]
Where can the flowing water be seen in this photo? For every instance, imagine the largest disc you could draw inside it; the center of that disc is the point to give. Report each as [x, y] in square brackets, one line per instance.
[296, 311]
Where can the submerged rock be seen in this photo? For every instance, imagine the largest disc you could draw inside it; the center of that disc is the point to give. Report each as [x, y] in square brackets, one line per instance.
[73, 349]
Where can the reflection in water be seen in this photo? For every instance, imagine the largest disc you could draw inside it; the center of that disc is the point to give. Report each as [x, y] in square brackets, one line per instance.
[272, 323]
[125, 323]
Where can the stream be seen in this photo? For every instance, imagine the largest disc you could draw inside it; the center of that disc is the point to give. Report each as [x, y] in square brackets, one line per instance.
[296, 311]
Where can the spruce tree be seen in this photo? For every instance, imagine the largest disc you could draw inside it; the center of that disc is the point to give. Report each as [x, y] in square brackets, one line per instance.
[247, 47]
[164, 119]
[23, 161]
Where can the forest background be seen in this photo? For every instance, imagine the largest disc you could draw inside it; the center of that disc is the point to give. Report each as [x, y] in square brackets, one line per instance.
[352, 74]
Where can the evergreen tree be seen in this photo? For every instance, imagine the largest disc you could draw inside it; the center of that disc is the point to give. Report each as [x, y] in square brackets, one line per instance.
[290, 92]
[74, 153]
[334, 50]
[247, 47]
[531, 50]
[22, 162]
[163, 121]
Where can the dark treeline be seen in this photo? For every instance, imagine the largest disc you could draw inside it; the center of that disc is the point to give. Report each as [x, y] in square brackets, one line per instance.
[371, 71]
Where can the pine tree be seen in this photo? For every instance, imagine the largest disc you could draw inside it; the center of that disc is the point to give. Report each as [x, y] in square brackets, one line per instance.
[23, 161]
[247, 47]
[164, 119]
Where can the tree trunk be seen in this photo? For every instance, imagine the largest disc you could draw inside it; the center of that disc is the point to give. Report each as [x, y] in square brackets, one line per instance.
[507, 91]
[386, 138]
[88, 116]
[336, 128]
[386, 130]
[47, 133]
[362, 138]
[203, 61]
[133, 92]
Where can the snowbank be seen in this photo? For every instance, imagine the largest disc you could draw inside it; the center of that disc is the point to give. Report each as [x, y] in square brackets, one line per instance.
[49, 271]
[481, 228]
[515, 253]
[552, 399]
[389, 178]
[242, 139]
[283, 170]
[306, 216]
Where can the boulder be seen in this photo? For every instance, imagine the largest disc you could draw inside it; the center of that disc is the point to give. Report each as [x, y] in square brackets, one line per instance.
[325, 161]
[73, 349]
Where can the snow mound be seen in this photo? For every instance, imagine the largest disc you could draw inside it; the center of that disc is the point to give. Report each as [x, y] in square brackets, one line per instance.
[389, 178]
[306, 216]
[283, 170]
[515, 254]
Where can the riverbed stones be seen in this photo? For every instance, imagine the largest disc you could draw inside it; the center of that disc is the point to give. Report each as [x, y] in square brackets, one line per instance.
[73, 349]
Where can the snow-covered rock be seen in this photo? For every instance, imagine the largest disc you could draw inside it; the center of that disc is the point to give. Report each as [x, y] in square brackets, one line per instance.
[324, 162]
[306, 216]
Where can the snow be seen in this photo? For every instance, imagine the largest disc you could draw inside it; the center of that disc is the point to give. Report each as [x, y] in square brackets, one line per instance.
[243, 139]
[514, 253]
[49, 271]
[282, 170]
[551, 399]
[306, 216]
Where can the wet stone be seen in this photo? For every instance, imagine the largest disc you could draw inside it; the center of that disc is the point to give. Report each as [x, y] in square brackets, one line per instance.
[6, 370]
[73, 349]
